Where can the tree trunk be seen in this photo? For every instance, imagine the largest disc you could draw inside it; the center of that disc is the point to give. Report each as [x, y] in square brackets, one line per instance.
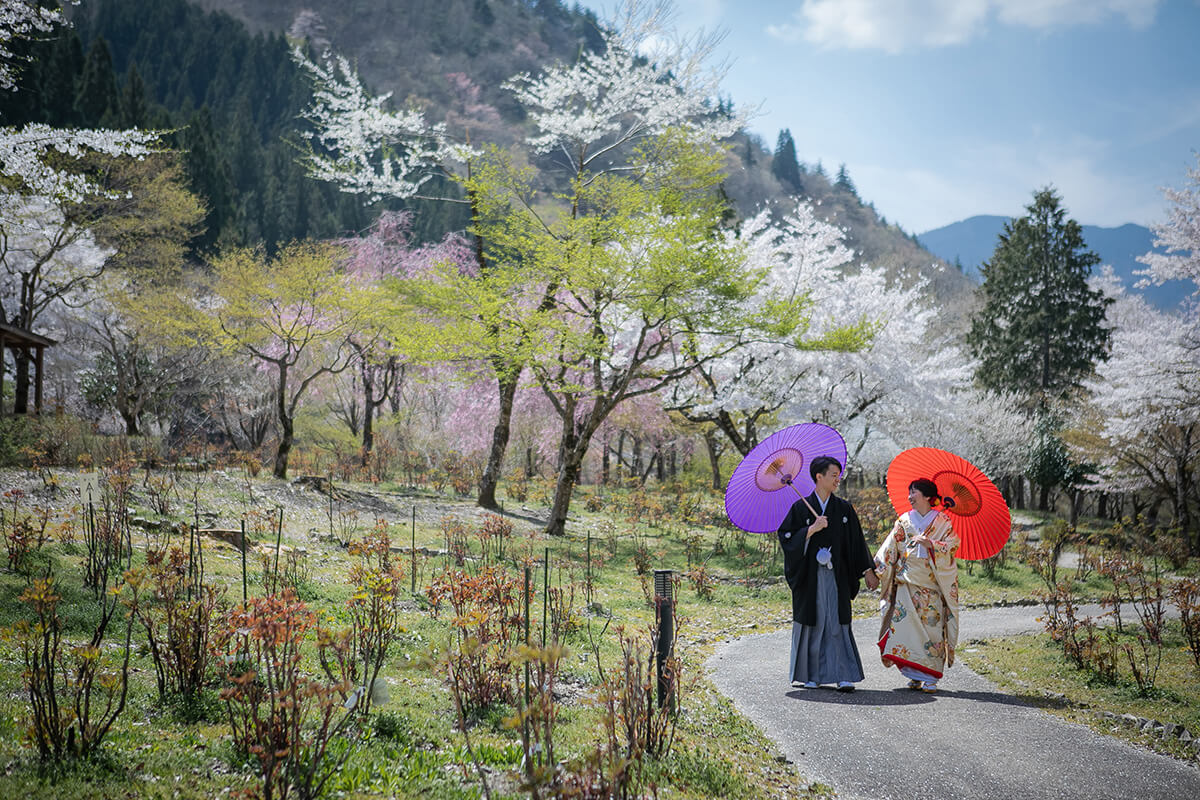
[368, 429]
[1044, 497]
[507, 389]
[1019, 491]
[606, 461]
[286, 433]
[368, 436]
[1183, 517]
[286, 424]
[714, 460]
[569, 468]
[621, 458]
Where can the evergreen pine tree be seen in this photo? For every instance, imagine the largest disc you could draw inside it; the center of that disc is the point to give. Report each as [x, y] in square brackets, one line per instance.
[843, 180]
[483, 14]
[134, 109]
[209, 177]
[784, 165]
[96, 96]
[1040, 329]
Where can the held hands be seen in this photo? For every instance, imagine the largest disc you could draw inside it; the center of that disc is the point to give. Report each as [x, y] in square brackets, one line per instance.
[821, 523]
[872, 579]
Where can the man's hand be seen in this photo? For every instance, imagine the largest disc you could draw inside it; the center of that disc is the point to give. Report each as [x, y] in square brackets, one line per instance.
[821, 523]
[872, 579]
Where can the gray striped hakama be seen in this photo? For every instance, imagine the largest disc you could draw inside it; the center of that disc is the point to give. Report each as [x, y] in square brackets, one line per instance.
[825, 652]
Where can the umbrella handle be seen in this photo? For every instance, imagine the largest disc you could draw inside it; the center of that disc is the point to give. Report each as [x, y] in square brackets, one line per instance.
[805, 499]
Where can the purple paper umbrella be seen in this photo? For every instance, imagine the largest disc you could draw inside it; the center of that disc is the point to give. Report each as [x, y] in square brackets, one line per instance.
[775, 474]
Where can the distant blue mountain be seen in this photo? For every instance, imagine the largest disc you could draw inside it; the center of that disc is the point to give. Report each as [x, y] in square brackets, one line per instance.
[972, 241]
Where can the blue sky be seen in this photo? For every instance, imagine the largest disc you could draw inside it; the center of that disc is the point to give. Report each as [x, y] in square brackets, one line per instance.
[944, 109]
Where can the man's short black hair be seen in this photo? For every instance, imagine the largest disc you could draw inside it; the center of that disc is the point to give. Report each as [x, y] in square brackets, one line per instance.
[822, 463]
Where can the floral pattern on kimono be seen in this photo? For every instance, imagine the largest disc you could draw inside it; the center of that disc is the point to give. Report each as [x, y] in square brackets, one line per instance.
[919, 597]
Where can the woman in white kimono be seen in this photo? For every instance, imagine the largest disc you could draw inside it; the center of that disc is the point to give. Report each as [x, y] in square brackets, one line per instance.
[919, 590]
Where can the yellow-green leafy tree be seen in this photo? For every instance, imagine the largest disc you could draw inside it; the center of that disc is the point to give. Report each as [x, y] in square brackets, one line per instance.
[292, 315]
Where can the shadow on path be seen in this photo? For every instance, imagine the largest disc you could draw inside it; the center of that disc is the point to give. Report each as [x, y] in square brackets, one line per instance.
[974, 742]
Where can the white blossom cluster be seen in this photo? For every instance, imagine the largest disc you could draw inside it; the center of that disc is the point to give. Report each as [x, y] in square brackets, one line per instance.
[1145, 394]
[23, 150]
[641, 85]
[360, 145]
[1180, 235]
[632, 90]
[22, 19]
[23, 154]
[45, 258]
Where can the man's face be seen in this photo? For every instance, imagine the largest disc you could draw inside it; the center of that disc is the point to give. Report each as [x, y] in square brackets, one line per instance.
[827, 481]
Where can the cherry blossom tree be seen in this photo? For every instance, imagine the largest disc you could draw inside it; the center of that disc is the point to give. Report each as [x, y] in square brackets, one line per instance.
[46, 258]
[292, 315]
[25, 151]
[593, 113]
[1179, 235]
[1145, 398]
[42, 233]
[384, 350]
[803, 260]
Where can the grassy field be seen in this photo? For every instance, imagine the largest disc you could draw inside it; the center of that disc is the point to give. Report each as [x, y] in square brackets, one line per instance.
[1034, 667]
[729, 585]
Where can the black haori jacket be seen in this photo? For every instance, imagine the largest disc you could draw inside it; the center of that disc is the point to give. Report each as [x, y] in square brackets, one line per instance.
[851, 558]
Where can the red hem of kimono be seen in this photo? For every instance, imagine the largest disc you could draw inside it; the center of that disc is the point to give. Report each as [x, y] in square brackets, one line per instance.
[901, 662]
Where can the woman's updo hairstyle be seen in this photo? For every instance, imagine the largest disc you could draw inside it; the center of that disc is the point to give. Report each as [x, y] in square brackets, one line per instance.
[927, 488]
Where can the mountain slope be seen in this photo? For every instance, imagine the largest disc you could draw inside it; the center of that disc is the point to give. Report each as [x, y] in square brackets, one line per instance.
[972, 241]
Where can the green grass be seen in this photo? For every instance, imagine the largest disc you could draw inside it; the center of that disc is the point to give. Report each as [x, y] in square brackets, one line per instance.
[415, 749]
[1044, 672]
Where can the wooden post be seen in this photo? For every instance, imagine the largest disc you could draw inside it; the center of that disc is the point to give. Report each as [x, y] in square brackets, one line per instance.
[37, 386]
[1, 373]
[278, 541]
[545, 592]
[245, 594]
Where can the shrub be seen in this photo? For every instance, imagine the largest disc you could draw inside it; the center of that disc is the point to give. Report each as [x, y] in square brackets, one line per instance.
[488, 626]
[24, 532]
[1185, 595]
[286, 720]
[454, 534]
[702, 581]
[76, 693]
[373, 608]
[492, 534]
[178, 623]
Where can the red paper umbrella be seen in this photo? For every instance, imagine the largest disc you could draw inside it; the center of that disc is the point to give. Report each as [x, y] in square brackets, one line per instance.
[775, 473]
[979, 513]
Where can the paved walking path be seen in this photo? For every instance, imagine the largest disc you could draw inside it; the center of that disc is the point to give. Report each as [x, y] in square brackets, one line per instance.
[885, 742]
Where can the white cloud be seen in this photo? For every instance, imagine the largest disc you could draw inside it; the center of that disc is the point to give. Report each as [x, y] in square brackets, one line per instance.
[898, 25]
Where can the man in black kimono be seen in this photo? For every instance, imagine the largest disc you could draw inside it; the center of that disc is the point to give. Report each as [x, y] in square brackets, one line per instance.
[824, 557]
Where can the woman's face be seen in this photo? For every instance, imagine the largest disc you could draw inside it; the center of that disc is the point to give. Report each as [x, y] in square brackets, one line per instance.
[919, 501]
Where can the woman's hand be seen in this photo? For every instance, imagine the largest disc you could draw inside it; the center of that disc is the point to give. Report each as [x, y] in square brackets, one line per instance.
[922, 539]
